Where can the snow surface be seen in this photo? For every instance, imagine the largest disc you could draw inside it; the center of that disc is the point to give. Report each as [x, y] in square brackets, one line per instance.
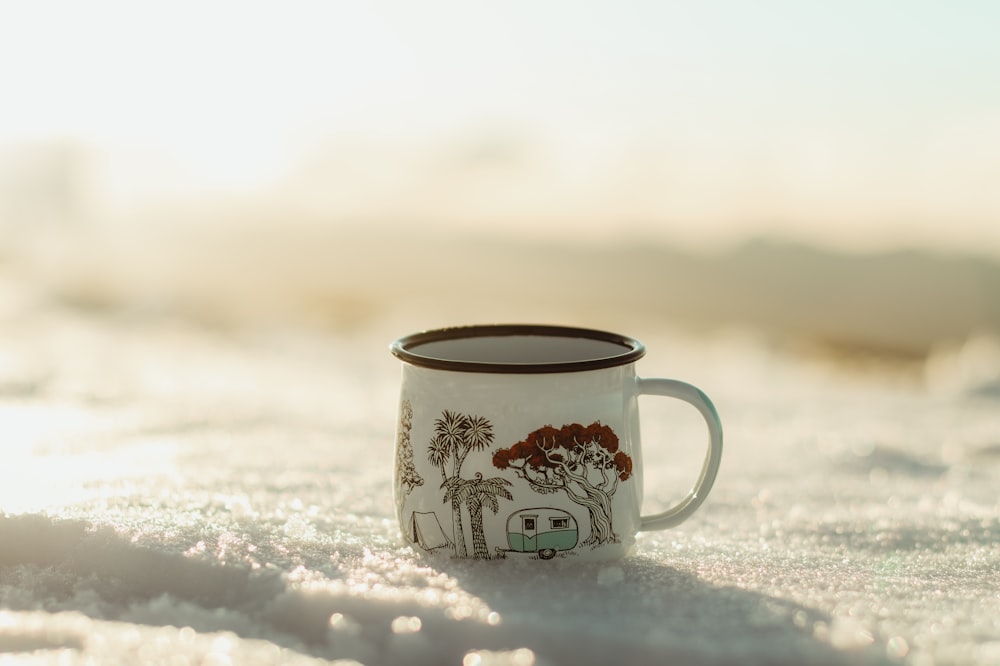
[182, 495]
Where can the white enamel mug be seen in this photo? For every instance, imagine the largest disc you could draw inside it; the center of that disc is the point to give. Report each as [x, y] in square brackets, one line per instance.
[522, 441]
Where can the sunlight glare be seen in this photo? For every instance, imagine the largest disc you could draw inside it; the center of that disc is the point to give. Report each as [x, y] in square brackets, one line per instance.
[37, 475]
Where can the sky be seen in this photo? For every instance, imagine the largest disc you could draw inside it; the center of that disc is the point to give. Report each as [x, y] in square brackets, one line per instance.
[858, 123]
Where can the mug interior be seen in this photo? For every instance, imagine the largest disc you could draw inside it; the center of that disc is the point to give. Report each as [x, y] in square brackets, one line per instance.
[520, 348]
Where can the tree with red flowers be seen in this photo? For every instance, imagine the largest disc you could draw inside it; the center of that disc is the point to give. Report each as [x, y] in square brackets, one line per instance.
[582, 461]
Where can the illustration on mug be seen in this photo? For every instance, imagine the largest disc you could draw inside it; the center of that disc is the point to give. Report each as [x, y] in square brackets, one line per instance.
[407, 477]
[455, 436]
[424, 529]
[541, 530]
[583, 462]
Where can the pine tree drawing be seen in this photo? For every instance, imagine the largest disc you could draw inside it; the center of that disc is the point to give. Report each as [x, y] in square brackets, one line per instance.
[407, 477]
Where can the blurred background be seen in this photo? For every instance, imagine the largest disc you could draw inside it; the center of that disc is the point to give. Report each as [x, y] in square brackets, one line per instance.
[820, 176]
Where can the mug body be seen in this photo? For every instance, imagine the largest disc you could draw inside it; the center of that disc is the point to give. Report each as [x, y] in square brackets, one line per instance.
[526, 465]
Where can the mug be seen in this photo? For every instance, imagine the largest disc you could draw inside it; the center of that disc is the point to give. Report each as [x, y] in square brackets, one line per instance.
[522, 441]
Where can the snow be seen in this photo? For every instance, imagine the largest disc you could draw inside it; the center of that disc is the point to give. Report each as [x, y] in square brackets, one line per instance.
[176, 493]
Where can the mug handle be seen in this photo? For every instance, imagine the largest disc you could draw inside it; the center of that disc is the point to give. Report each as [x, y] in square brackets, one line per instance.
[677, 514]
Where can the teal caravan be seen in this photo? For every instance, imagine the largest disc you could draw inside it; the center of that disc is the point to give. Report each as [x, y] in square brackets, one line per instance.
[544, 531]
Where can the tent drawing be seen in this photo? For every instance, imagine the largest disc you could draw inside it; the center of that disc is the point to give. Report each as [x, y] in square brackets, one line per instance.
[425, 531]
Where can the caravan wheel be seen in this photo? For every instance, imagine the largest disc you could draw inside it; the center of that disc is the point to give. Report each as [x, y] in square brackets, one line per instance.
[547, 553]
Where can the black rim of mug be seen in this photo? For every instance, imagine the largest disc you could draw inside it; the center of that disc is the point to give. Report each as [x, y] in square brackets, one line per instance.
[405, 348]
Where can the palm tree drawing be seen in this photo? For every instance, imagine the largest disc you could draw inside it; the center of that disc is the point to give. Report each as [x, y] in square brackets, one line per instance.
[448, 444]
[455, 436]
[475, 493]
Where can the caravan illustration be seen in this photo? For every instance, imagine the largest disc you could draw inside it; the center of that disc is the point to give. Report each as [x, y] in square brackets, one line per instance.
[544, 531]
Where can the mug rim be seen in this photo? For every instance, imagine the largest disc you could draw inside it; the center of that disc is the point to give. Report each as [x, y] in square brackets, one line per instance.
[403, 348]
